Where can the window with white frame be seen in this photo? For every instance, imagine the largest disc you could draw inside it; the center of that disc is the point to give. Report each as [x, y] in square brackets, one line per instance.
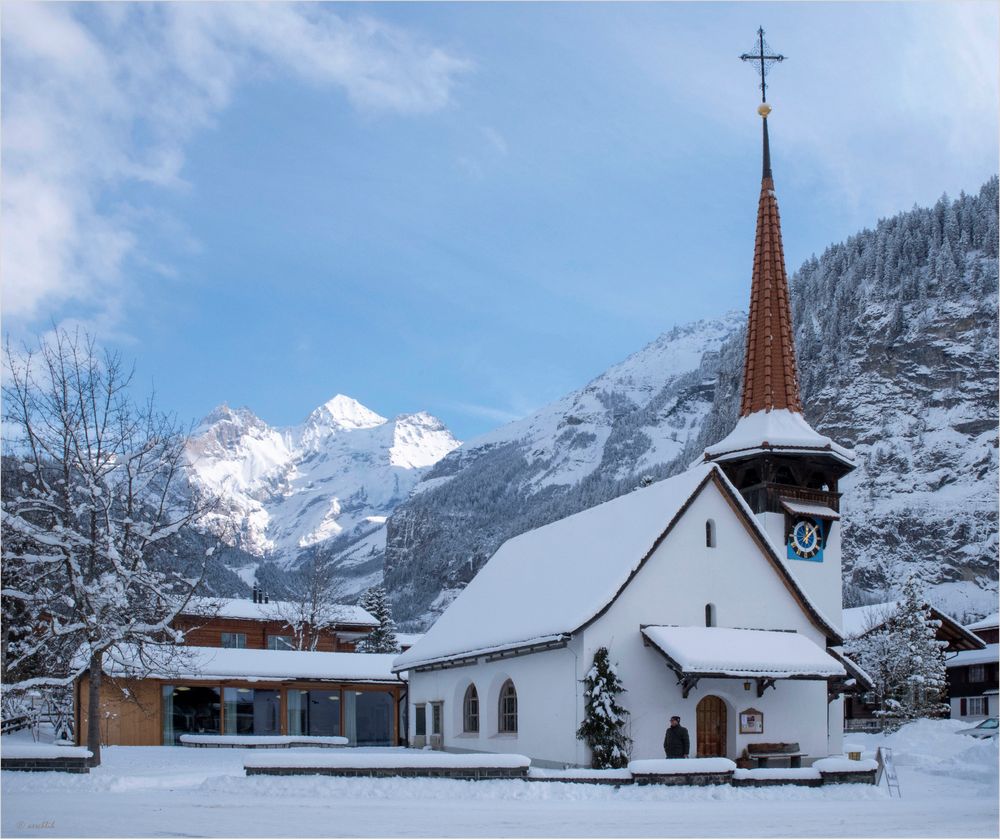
[436, 718]
[508, 709]
[280, 642]
[234, 640]
[974, 706]
[710, 534]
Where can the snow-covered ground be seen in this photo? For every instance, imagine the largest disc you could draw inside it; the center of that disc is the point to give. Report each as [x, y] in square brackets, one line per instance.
[948, 783]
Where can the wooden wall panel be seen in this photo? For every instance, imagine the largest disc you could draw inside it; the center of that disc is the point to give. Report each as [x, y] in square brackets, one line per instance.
[208, 633]
[131, 712]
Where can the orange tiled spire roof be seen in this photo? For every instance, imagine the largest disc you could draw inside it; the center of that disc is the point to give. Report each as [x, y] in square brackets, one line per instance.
[770, 380]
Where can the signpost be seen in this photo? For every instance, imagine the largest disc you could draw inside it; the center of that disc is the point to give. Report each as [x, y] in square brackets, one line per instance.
[885, 766]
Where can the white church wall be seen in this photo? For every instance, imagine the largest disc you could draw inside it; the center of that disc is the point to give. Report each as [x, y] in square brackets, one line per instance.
[673, 588]
[548, 699]
[822, 581]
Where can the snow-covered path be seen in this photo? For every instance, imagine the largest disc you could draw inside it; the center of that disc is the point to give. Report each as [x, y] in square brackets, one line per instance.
[949, 786]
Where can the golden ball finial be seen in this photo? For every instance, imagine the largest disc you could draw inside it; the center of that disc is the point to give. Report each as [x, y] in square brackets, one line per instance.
[764, 110]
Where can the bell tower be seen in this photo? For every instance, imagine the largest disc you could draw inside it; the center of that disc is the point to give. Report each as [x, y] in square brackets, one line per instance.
[786, 471]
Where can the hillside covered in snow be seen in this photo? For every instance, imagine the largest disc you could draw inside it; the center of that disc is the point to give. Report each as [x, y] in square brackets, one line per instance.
[896, 331]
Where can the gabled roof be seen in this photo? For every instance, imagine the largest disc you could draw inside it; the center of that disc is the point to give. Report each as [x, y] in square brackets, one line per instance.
[274, 610]
[544, 585]
[860, 620]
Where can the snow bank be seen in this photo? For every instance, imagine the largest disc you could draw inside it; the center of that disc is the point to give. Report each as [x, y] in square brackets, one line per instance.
[39, 750]
[808, 774]
[421, 760]
[843, 764]
[580, 774]
[262, 740]
[689, 766]
[936, 748]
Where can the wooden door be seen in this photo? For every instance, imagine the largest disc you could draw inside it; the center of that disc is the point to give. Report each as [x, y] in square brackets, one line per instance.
[711, 727]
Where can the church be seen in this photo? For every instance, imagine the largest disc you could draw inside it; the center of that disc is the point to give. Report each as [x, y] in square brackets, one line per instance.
[717, 592]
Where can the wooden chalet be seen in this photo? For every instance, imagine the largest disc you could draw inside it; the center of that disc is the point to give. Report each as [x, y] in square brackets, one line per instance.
[974, 675]
[238, 673]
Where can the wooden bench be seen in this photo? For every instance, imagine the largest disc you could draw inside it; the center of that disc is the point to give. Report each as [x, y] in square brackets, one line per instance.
[762, 753]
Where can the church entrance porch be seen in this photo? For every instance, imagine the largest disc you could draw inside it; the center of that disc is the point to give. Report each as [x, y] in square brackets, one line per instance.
[710, 725]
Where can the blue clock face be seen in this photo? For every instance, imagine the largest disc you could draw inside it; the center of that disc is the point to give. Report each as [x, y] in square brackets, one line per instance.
[805, 540]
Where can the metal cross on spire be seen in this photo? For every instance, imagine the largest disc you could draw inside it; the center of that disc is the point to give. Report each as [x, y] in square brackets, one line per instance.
[765, 60]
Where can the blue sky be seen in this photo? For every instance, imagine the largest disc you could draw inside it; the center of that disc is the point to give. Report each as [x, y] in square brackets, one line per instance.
[465, 209]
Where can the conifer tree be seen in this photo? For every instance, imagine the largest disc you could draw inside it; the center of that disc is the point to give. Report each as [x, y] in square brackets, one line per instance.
[382, 639]
[604, 727]
[904, 658]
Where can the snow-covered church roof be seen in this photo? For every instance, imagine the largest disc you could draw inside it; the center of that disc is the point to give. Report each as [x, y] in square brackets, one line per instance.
[775, 430]
[545, 584]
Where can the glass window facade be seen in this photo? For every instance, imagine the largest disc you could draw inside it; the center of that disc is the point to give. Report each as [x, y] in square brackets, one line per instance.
[315, 713]
[373, 717]
[251, 711]
[189, 710]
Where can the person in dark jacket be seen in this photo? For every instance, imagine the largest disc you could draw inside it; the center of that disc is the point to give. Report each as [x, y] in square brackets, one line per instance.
[676, 742]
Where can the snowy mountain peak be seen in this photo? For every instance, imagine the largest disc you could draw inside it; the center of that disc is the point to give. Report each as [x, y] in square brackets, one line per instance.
[345, 413]
[242, 417]
[420, 440]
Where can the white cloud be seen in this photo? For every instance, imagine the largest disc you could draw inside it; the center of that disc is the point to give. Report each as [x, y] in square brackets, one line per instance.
[97, 96]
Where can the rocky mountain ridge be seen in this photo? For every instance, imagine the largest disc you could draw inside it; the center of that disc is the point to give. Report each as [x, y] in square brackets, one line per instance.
[336, 477]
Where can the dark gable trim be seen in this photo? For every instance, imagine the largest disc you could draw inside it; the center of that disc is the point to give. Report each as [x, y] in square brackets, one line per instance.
[832, 635]
[651, 551]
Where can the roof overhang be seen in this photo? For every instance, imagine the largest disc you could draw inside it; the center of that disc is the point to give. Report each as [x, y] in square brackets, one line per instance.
[726, 653]
[495, 653]
[804, 508]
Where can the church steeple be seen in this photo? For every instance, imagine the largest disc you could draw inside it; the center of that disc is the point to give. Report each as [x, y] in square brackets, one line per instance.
[770, 380]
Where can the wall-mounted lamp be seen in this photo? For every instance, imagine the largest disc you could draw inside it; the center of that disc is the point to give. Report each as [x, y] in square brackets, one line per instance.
[746, 685]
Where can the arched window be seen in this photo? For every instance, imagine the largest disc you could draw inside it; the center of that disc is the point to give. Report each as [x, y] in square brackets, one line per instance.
[710, 533]
[709, 614]
[508, 708]
[470, 711]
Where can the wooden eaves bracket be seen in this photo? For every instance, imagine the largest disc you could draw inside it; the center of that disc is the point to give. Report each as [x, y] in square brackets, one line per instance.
[687, 683]
[764, 684]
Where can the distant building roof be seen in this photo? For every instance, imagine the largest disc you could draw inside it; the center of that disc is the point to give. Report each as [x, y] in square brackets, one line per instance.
[989, 622]
[275, 610]
[862, 619]
[987, 655]
[211, 663]
[545, 584]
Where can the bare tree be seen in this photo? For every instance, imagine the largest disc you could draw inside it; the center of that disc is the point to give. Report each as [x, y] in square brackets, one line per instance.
[313, 605]
[92, 494]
